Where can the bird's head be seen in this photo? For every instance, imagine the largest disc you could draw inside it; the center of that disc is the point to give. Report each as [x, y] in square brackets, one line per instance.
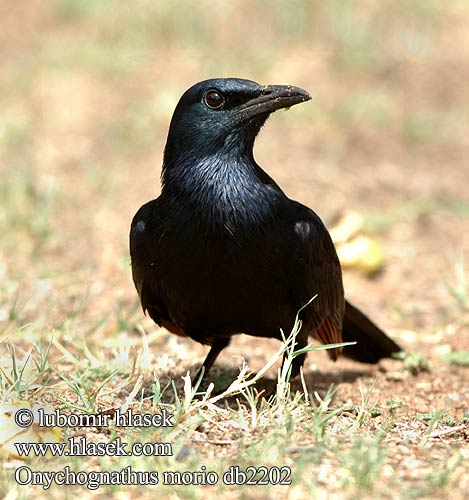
[224, 114]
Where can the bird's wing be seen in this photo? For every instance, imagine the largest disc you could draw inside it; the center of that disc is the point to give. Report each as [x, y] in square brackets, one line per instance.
[319, 269]
[143, 254]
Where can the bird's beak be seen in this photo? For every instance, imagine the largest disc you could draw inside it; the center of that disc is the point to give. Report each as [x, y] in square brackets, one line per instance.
[271, 98]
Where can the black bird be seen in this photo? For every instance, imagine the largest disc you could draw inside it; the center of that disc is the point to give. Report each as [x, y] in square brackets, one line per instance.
[224, 251]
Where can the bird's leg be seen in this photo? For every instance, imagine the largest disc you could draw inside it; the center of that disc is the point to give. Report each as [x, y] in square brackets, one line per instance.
[298, 361]
[296, 364]
[217, 346]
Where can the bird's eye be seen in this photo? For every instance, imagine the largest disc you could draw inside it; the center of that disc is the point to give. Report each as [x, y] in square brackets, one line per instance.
[213, 99]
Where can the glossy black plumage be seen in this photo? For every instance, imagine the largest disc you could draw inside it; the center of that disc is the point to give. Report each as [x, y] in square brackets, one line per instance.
[223, 250]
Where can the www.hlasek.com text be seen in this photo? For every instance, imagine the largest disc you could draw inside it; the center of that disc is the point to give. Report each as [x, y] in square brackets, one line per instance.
[81, 447]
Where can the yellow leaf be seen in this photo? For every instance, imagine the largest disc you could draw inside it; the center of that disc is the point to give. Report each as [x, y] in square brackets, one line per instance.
[348, 226]
[362, 254]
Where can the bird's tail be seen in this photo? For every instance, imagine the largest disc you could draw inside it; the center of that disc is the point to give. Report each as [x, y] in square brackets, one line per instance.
[372, 343]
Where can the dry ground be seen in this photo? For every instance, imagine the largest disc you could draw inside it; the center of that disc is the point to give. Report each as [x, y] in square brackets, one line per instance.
[87, 91]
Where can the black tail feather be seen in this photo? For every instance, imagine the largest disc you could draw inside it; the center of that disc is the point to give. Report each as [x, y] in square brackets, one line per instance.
[372, 343]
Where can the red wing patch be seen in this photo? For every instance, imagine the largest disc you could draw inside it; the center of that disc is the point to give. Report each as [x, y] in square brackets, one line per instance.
[172, 328]
[329, 333]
